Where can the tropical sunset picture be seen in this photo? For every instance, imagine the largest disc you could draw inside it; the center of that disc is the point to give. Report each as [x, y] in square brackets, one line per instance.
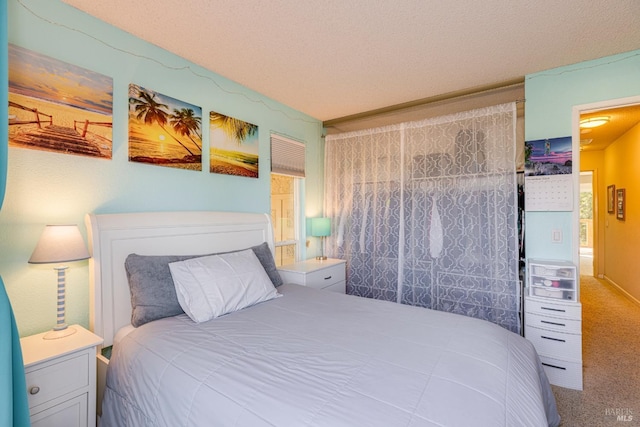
[59, 107]
[164, 131]
[233, 146]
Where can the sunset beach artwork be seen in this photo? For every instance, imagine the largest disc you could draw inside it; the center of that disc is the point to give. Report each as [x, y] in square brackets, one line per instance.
[164, 131]
[551, 156]
[59, 107]
[233, 146]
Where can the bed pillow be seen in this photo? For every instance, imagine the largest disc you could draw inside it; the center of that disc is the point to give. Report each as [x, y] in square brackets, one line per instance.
[153, 294]
[211, 286]
[263, 252]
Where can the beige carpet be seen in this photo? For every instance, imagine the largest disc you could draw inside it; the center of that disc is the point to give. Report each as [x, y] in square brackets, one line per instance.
[611, 358]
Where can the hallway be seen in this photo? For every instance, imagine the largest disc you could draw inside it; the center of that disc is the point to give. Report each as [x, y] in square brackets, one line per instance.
[611, 344]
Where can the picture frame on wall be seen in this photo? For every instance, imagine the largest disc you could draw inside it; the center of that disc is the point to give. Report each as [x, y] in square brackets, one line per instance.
[58, 107]
[164, 131]
[233, 146]
[611, 199]
[620, 203]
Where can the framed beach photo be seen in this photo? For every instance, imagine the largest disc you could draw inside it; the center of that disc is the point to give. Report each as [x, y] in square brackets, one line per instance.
[233, 146]
[620, 203]
[58, 107]
[164, 131]
[611, 199]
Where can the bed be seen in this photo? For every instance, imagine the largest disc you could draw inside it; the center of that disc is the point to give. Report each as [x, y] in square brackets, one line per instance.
[303, 357]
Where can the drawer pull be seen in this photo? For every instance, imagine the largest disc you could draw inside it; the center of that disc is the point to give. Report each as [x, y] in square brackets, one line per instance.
[554, 366]
[552, 323]
[327, 278]
[554, 309]
[34, 390]
[552, 339]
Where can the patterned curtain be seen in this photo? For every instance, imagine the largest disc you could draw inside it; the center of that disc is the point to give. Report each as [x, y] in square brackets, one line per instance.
[425, 213]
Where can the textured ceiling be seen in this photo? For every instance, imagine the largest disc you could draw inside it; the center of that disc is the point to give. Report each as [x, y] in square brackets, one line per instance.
[337, 58]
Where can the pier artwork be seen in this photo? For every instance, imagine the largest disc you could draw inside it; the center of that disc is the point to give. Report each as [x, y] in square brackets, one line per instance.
[58, 107]
[41, 131]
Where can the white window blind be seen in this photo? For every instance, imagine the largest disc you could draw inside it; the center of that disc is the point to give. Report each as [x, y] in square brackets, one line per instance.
[287, 156]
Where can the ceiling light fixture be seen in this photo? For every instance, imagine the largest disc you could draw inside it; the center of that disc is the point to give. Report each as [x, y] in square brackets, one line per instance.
[586, 141]
[593, 122]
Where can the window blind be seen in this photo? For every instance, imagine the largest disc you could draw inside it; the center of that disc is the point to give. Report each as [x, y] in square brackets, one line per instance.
[287, 156]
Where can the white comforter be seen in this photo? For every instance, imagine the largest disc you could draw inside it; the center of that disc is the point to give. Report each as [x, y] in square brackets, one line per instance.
[315, 358]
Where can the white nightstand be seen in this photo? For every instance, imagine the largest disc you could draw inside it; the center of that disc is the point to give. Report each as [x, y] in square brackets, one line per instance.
[328, 274]
[61, 378]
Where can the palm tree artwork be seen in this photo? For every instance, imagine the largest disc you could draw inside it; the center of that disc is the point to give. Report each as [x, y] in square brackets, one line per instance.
[234, 146]
[164, 131]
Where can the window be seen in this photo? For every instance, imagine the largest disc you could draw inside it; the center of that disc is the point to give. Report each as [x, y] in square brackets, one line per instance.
[287, 171]
[283, 215]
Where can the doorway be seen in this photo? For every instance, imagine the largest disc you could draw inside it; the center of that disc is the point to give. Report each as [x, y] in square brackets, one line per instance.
[586, 223]
[590, 145]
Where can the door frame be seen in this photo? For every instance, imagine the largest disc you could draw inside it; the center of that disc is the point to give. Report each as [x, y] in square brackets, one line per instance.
[575, 146]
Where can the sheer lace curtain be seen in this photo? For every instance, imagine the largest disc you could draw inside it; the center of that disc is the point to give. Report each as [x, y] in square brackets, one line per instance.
[425, 213]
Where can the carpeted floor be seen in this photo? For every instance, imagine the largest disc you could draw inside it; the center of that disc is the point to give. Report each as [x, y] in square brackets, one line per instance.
[611, 359]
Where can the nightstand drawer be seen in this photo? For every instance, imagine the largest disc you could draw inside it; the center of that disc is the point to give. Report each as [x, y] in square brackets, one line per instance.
[70, 413]
[340, 287]
[326, 277]
[55, 378]
[554, 323]
[555, 344]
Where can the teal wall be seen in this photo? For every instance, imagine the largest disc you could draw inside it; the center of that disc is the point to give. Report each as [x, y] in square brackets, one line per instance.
[550, 98]
[44, 187]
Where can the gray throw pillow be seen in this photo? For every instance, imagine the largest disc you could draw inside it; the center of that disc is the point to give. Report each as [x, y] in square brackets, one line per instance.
[153, 293]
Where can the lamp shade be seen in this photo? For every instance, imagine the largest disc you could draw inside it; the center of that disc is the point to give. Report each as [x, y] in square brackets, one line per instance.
[320, 227]
[59, 243]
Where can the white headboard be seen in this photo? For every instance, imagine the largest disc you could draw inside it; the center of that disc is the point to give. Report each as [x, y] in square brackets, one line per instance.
[112, 237]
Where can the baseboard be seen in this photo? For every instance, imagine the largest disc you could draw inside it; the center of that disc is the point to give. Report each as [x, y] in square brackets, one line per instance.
[622, 290]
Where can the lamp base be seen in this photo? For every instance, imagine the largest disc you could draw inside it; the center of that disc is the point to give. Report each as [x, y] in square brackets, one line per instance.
[321, 258]
[59, 333]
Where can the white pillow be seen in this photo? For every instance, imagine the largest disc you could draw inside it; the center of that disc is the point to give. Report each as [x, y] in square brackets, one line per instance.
[210, 286]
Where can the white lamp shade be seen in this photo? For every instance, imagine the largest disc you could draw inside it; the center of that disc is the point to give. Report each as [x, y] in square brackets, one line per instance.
[59, 243]
[320, 227]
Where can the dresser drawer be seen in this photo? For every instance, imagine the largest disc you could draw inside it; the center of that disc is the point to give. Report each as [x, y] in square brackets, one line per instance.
[555, 344]
[325, 277]
[53, 379]
[563, 373]
[558, 324]
[545, 308]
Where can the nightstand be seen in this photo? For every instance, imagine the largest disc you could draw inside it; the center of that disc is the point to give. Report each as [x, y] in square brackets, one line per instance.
[61, 378]
[328, 274]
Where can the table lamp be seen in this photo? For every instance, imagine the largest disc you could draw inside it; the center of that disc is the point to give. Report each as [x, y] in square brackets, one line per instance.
[57, 244]
[321, 227]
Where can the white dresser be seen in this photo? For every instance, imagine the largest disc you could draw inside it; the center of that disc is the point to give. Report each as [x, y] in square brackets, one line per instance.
[553, 320]
[61, 379]
[328, 274]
